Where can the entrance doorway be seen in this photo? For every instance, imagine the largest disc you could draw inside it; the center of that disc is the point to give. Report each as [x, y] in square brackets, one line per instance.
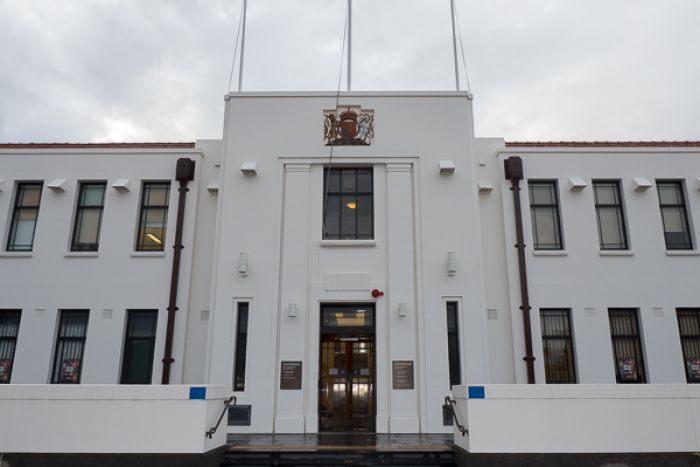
[346, 400]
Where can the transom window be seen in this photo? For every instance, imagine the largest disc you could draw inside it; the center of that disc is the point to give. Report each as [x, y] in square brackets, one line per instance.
[24, 217]
[153, 216]
[544, 207]
[88, 216]
[674, 215]
[558, 346]
[609, 212]
[348, 206]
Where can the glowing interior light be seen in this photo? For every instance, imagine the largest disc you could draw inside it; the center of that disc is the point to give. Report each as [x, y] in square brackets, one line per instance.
[154, 238]
[351, 205]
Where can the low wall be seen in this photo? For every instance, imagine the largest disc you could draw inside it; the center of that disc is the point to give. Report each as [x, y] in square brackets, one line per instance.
[110, 418]
[579, 418]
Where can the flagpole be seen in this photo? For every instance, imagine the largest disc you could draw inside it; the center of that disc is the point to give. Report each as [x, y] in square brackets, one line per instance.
[240, 65]
[349, 45]
[454, 43]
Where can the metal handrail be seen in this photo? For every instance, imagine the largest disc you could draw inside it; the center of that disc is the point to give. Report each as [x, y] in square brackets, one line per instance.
[227, 403]
[453, 405]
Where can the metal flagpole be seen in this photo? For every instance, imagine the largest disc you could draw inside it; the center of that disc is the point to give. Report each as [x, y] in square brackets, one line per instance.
[349, 45]
[240, 64]
[454, 43]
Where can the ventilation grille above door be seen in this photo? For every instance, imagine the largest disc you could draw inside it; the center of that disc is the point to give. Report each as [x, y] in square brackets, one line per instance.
[347, 282]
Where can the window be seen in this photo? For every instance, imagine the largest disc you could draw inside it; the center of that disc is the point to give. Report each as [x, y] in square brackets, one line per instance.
[453, 343]
[88, 216]
[609, 212]
[348, 204]
[139, 346]
[70, 345]
[9, 328]
[24, 217]
[627, 345]
[544, 206]
[153, 216]
[689, 326]
[674, 215]
[558, 346]
[241, 343]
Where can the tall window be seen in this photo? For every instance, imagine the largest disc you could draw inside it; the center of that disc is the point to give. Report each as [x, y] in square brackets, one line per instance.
[453, 343]
[241, 344]
[70, 346]
[558, 346]
[611, 218]
[139, 346]
[544, 206]
[24, 217]
[689, 326]
[9, 328]
[627, 345]
[348, 204]
[88, 216]
[674, 215]
[153, 217]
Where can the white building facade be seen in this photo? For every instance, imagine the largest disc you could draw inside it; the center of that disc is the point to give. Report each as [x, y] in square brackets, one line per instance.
[347, 259]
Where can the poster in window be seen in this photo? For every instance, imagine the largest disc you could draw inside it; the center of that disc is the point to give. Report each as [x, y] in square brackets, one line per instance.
[693, 366]
[627, 369]
[70, 371]
[5, 366]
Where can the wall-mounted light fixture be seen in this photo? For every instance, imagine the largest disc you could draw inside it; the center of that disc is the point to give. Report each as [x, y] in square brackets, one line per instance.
[57, 185]
[213, 187]
[243, 263]
[641, 184]
[451, 263]
[577, 184]
[447, 167]
[121, 184]
[249, 168]
[292, 310]
[403, 310]
[1, 180]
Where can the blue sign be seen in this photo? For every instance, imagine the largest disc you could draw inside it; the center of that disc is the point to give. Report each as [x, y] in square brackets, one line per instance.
[198, 392]
[477, 392]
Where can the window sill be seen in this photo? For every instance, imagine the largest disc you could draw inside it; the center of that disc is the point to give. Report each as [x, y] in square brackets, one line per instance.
[360, 243]
[616, 253]
[81, 254]
[148, 254]
[682, 252]
[16, 254]
[549, 253]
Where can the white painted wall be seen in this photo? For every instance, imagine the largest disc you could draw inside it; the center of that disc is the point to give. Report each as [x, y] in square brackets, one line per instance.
[108, 419]
[580, 418]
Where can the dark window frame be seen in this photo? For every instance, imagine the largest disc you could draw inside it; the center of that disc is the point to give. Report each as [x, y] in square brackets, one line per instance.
[130, 340]
[80, 208]
[8, 343]
[570, 376]
[331, 194]
[618, 205]
[144, 209]
[17, 211]
[454, 360]
[683, 207]
[241, 348]
[555, 207]
[632, 339]
[60, 347]
[689, 339]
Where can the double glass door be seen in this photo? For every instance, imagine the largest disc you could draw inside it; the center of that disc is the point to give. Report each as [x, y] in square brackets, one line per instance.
[347, 372]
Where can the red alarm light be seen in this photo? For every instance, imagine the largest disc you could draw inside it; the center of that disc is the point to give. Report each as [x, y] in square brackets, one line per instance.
[377, 293]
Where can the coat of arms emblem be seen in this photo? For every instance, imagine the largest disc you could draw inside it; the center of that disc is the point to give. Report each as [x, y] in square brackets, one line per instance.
[348, 126]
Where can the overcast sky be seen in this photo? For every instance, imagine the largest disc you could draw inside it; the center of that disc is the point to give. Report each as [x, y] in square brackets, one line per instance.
[151, 70]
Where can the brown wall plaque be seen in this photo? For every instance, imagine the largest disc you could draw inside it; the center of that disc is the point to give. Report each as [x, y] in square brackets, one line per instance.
[402, 374]
[290, 376]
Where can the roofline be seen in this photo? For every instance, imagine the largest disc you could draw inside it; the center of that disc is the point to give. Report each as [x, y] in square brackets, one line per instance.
[603, 144]
[178, 145]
